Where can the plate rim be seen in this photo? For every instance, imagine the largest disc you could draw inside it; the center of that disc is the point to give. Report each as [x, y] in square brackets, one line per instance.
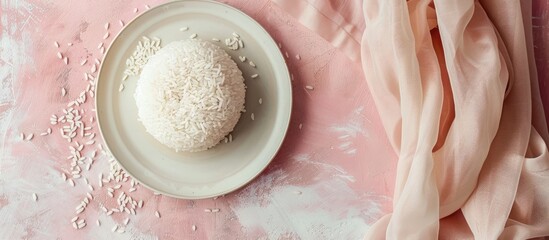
[287, 118]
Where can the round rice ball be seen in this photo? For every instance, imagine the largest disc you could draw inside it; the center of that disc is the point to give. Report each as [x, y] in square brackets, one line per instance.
[190, 95]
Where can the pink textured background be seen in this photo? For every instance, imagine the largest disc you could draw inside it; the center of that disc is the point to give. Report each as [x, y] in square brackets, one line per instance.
[340, 160]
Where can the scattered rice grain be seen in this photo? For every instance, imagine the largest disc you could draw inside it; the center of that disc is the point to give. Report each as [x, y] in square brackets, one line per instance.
[80, 210]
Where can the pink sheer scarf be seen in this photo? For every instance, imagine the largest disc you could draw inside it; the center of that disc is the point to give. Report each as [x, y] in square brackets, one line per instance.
[456, 87]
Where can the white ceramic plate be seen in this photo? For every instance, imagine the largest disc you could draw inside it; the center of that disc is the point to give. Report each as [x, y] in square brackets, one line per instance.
[225, 167]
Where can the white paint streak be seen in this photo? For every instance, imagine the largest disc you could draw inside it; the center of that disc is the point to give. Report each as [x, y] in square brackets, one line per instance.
[104, 232]
[350, 130]
[335, 171]
[324, 210]
[11, 58]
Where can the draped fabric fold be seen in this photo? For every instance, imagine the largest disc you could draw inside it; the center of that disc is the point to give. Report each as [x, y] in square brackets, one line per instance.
[455, 85]
[338, 22]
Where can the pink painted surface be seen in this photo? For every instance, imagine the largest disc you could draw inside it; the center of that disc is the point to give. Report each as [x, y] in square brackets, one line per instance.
[331, 179]
[339, 160]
